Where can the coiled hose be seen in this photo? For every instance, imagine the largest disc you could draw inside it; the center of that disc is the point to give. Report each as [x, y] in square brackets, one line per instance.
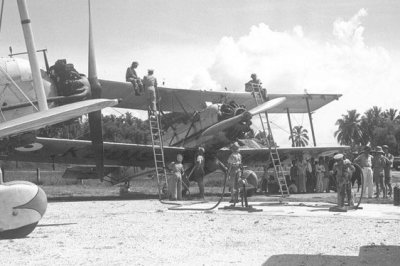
[179, 208]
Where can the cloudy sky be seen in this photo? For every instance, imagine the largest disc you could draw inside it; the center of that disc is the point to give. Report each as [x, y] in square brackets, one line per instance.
[346, 47]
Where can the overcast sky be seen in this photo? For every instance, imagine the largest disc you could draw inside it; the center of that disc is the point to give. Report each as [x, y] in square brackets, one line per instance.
[346, 47]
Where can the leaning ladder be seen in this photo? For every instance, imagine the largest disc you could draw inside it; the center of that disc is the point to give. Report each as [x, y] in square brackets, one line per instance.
[158, 151]
[269, 139]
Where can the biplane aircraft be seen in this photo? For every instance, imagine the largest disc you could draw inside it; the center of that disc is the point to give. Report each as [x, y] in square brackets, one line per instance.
[31, 98]
[212, 119]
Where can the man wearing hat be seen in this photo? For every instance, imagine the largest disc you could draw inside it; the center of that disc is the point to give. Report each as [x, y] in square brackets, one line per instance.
[133, 78]
[388, 173]
[150, 87]
[234, 171]
[255, 85]
[379, 163]
[198, 170]
[364, 160]
[343, 170]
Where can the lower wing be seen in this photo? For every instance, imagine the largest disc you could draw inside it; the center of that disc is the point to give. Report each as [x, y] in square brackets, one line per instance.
[260, 155]
[80, 152]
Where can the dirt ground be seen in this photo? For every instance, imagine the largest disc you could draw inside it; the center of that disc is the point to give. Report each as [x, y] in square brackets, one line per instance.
[145, 232]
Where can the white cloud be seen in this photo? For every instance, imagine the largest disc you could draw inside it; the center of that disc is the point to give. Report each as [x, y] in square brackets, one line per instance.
[291, 61]
[350, 31]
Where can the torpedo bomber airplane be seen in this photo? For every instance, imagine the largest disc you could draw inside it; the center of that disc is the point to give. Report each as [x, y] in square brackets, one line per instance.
[204, 121]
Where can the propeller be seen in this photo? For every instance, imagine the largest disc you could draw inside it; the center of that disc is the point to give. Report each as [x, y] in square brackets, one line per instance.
[95, 122]
[243, 117]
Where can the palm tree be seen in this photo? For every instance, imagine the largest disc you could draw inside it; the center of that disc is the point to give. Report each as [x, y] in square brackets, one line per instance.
[300, 136]
[349, 130]
[391, 115]
[372, 119]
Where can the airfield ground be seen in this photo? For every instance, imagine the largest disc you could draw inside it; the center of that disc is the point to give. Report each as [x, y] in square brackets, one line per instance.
[144, 232]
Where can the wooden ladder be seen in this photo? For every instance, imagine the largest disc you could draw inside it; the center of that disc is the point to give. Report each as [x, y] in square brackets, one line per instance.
[158, 151]
[269, 140]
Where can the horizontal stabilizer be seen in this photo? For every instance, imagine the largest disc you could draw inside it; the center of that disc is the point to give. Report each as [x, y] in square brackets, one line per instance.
[53, 116]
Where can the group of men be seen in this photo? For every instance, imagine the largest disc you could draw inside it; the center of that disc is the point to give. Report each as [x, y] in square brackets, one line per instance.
[178, 179]
[237, 176]
[309, 175]
[147, 86]
[376, 169]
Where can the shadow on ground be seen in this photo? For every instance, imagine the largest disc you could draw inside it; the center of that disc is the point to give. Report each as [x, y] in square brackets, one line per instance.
[368, 255]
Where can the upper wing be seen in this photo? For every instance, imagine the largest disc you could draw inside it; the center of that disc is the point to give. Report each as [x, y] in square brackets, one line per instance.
[52, 116]
[184, 100]
[80, 152]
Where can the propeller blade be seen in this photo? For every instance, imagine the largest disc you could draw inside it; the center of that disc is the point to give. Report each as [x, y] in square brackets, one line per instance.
[243, 117]
[95, 121]
[227, 123]
[267, 105]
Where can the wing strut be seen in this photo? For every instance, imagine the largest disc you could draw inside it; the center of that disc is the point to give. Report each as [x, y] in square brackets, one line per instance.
[33, 61]
[269, 139]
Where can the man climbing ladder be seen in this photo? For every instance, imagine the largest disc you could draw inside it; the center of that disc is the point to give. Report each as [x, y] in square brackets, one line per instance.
[150, 87]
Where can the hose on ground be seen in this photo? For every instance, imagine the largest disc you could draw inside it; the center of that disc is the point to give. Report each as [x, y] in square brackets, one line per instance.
[179, 208]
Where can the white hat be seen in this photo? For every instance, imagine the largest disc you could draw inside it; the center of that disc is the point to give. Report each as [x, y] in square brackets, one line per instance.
[338, 156]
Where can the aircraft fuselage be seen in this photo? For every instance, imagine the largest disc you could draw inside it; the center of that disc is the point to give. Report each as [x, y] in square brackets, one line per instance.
[189, 133]
[10, 96]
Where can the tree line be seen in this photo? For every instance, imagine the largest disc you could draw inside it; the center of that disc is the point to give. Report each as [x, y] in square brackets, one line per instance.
[124, 129]
[374, 127]
[128, 129]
